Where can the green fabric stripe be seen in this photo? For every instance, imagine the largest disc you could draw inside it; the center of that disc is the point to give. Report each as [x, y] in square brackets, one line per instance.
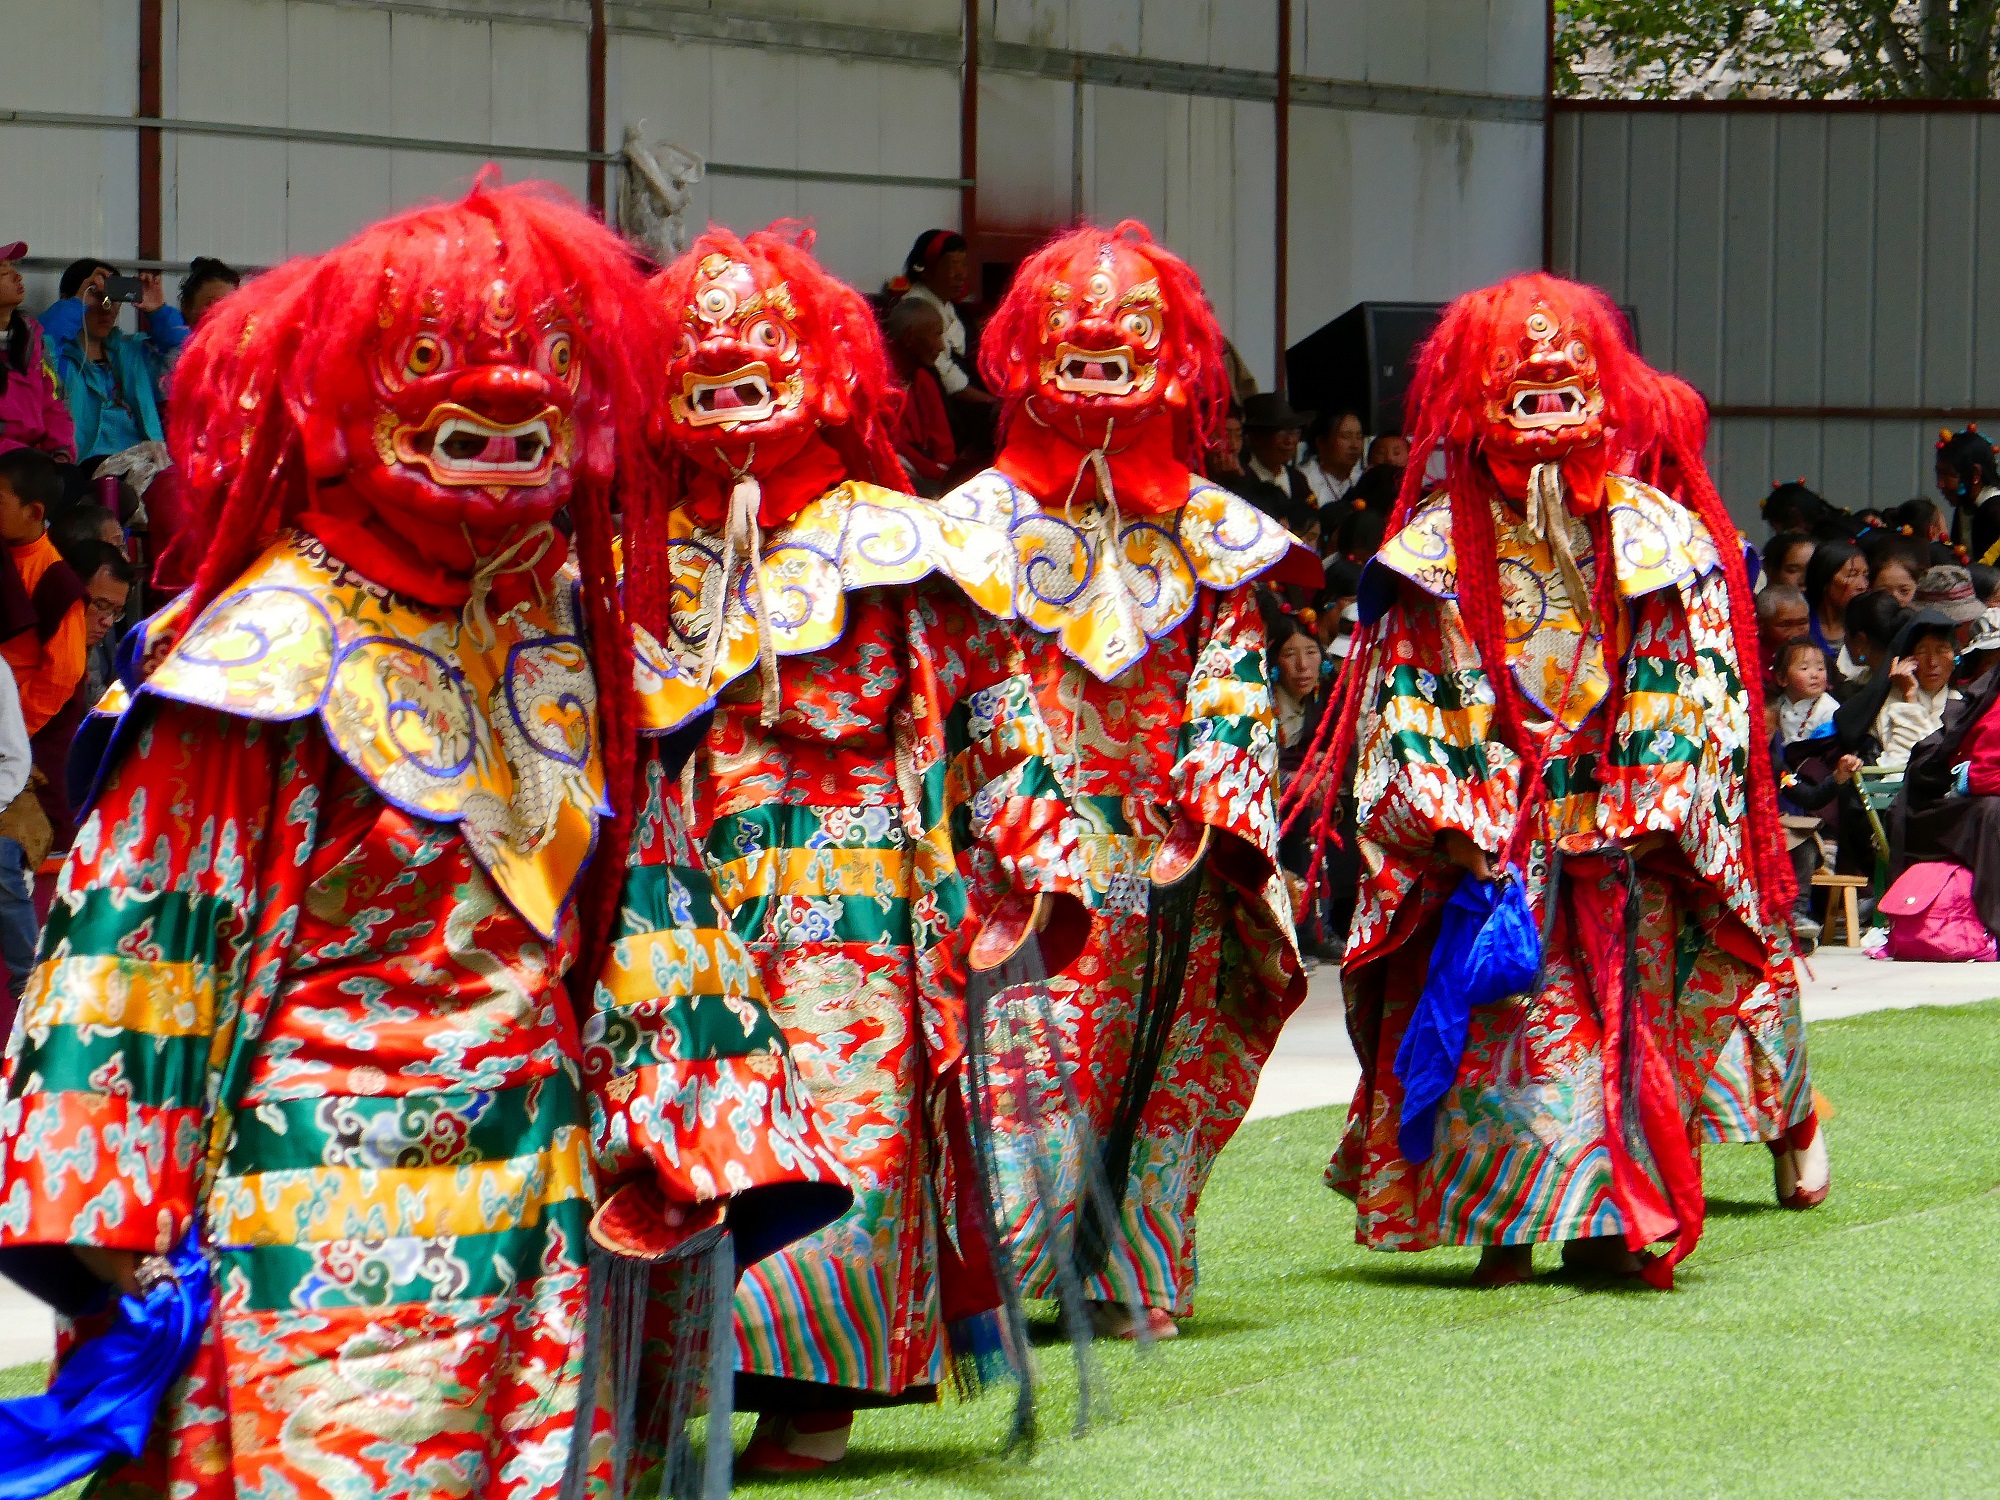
[855, 919]
[1451, 690]
[1414, 748]
[414, 1130]
[700, 1028]
[180, 927]
[407, 1270]
[1239, 730]
[666, 898]
[779, 826]
[1103, 814]
[164, 1072]
[1644, 749]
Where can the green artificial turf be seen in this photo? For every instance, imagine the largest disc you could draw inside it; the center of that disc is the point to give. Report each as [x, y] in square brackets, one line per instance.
[1853, 1350]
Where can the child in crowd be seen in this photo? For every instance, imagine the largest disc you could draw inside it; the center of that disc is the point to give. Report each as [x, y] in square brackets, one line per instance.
[1806, 707]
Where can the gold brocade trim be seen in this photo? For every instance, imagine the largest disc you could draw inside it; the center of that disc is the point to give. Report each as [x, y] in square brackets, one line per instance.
[1106, 601]
[501, 741]
[1659, 545]
[856, 536]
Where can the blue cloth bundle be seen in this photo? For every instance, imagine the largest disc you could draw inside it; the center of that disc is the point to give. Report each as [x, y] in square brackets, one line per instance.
[1487, 949]
[101, 1405]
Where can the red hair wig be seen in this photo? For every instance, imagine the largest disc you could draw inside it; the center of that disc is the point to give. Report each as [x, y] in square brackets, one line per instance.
[1194, 365]
[298, 337]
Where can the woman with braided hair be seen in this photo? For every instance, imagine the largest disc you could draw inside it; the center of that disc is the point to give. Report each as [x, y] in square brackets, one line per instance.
[1525, 711]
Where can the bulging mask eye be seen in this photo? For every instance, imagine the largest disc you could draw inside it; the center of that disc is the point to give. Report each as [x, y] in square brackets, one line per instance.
[562, 356]
[764, 334]
[426, 356]
[1138, 326]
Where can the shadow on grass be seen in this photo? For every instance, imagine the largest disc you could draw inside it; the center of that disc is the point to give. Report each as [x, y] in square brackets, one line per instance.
[1731, 1208]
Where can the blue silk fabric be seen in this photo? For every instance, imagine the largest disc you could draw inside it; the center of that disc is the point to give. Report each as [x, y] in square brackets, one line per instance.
[1487, 949]
[101, 1405]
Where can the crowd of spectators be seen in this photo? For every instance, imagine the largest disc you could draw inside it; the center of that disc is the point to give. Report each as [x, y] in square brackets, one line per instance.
[83, 393]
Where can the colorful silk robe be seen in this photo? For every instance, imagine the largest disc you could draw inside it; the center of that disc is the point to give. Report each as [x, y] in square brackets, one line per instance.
[830, 831]
[302, 989]
[1146, 648]
[1520, 1148]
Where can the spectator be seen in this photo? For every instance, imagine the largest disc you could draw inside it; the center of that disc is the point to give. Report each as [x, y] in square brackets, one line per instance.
[107, 587]
[1389, 448]
[1335, 462]
[1783, 617]
[82, 525]
[1837, 574]
[1786, 556]
[922, 429]
[207, 282]
[936, 268]
[1360, 535]
[24, 843]
[1947, 591]
[1982, 653]
[1893, 570]
[48, 660]
[1919, 688]
[1985, 583]
[1223, 462]
[1804, 705]
[1949, 808]
[1873, 619]
[111, 379]
[1298, 698]
[1793, 507]
[1920, 519]
[1377, 488]
[1269, 480]
[32, 414]
[1965, 471]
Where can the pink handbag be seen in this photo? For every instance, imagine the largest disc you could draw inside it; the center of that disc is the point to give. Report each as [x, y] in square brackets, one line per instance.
[1932, 918]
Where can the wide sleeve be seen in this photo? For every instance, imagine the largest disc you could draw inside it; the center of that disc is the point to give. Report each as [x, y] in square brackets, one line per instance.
[1225, 776]
[992, 817]
[161, 956]
[45, 693]
[688, 1074]
[1428, 762]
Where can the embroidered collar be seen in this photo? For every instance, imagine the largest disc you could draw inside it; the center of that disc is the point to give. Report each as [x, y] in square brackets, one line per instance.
[501, 741]
[856, 536]
[1660, 544]
[1107, 603]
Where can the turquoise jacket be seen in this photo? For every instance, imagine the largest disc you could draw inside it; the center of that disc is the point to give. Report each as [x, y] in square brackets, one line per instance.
[139, 362]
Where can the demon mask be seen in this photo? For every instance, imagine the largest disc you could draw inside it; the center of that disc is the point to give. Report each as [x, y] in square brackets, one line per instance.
[1105, 333]
[768, 352]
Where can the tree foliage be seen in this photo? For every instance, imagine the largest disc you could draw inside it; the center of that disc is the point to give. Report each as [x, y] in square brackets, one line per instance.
[1815, 49]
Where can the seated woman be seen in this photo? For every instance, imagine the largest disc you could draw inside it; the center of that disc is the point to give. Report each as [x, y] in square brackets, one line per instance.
[1837, 574]
[1926, 655]
[1949, 808]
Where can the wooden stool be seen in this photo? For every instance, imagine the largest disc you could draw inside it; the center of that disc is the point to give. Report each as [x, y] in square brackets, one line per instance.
[1845, 905]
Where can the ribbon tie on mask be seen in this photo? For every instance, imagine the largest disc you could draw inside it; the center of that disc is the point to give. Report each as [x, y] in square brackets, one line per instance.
[743, 536]
[1108, 522]
[1548, 520]
[512, 558]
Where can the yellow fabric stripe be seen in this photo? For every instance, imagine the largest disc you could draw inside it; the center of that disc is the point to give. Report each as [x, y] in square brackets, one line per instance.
[331, 1203]
[131, 994]
[1220, 697]
[700, 961]
[814, 872]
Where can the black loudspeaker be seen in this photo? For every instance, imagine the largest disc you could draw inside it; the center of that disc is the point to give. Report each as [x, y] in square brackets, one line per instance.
[1361, 361]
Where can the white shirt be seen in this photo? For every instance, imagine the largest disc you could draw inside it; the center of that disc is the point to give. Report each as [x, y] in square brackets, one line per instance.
[949, 370]
[16, 758]
[1327, 490]
[1278, 477]
[1901, 727]
[1797, 719]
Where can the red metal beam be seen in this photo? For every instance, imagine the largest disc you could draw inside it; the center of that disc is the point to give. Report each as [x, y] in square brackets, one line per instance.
[150, 34]
[968, 126]
[1549, 142]
[596, 123]
[1281, 207]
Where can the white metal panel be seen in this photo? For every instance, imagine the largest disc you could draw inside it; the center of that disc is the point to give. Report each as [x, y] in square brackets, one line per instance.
[230, 61]
[1398, 40]
[1950, 252]
[1325, 210]
[1749, 265]
[1250, 317]
[541, 93]
[1458, 46]
[917, 119]
[1800, 248]
[1330, 38]
[338, 68]
[1899, 258]
[1985, 289]
[1850, 260]
[332, 191]
[1034, 23]
[662, 86]
[1517, 47]
[1105, 26]
[229, 200]
[1244, 36]
[440, 78]
[1025, 151]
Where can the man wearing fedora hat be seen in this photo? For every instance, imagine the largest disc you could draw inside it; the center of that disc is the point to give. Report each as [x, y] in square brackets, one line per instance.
[1270, 480]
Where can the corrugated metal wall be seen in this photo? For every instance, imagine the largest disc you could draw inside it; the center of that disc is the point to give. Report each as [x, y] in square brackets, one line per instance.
[1817, 272]
[1415, 157]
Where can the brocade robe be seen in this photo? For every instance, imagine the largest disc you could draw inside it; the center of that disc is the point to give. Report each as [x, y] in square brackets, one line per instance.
[840, 836]
[1147, 657]
[1521, 1151]
[302, 989]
